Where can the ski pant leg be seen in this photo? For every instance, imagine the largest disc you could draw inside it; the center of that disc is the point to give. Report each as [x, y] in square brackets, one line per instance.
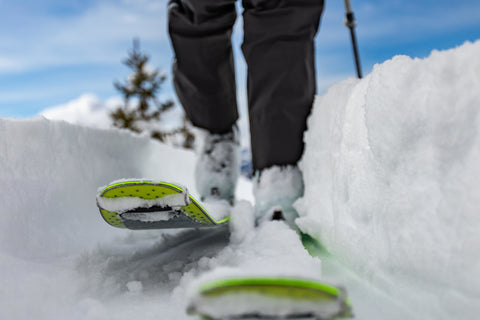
[203, 70]
[279, 50]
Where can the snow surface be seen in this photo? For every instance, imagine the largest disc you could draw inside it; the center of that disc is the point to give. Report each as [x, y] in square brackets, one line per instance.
[391, 188]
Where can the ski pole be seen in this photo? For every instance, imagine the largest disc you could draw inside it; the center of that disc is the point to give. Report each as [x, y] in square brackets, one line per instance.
[350, 23]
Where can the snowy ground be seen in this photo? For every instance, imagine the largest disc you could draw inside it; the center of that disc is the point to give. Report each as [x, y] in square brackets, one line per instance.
[391, 167]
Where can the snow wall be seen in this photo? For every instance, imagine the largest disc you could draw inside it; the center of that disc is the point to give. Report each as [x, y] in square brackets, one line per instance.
[50, 172]
[392, 173]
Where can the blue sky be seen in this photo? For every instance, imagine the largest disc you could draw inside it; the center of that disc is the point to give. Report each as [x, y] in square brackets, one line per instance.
[54, 51]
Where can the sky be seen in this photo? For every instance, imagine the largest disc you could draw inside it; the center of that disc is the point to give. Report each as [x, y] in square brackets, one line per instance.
[55, 52]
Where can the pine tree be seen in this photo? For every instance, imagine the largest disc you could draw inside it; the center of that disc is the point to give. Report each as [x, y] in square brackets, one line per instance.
[145, 112]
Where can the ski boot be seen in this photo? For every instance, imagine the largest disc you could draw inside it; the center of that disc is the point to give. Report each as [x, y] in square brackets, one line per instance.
[276, 189]
[218, 166]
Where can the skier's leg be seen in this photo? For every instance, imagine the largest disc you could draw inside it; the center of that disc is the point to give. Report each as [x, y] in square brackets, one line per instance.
[279, 51]
[203, 70]
[204, 79]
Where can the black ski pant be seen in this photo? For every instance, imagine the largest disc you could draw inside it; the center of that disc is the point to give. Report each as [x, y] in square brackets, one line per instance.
[278, 47]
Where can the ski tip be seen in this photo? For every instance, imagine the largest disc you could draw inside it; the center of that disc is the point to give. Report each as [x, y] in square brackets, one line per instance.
[146, 204]
[270, 298]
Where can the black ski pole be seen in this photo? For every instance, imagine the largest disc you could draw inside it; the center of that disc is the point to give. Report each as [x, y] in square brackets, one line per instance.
[350, 23]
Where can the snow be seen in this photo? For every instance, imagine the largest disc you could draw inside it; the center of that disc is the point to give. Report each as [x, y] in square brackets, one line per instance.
[391, 178]
[254, 252]
[391, 189]
[244, 257]
[50, 172]
[218, 209]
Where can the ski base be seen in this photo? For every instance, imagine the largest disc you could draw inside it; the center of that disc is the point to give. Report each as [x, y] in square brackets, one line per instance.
[272, 298]
[139, 204]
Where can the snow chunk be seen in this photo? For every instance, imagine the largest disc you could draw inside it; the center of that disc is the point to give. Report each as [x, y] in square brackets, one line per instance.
[218, 209]
[242, 221]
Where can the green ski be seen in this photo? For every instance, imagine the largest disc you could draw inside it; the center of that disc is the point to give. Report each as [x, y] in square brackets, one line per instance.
[145, 204]
[270, 298]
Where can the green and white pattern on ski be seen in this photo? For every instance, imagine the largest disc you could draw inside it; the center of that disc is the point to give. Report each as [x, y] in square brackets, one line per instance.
[189, 215]
[271, 298]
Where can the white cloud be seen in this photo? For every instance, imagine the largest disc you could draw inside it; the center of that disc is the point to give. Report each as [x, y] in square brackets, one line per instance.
[9, 64]
[87, 110]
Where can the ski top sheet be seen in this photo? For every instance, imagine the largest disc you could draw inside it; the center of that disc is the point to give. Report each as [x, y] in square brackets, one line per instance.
[146, 204]
[270, 298]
